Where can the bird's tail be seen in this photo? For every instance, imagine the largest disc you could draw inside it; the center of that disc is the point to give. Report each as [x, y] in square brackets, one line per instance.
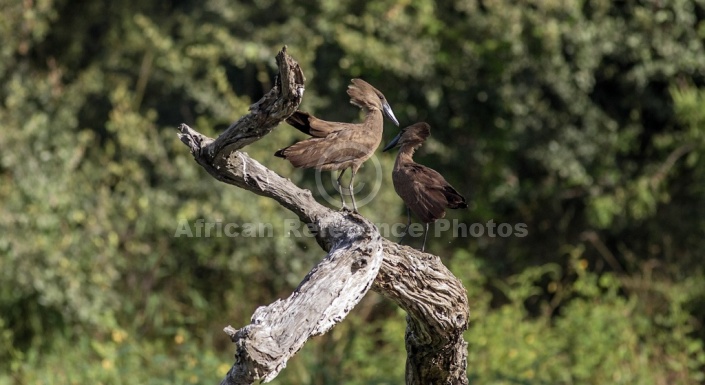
[455, 200]
[301, 121]
[281, 153]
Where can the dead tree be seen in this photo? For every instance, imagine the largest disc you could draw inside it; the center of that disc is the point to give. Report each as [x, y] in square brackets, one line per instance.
[358, 259]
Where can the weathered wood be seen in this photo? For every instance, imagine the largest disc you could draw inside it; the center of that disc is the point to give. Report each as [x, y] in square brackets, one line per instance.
[324, 298]
[437, 310]
[357, 258]
[273, 108]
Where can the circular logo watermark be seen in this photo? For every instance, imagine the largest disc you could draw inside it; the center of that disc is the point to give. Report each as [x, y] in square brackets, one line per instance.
[343, 153]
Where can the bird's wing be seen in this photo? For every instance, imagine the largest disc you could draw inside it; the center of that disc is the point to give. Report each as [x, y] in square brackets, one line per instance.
[330, 153]
[426, 192]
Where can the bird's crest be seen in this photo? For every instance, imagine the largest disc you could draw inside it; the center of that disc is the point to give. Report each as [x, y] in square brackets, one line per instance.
[363, 95]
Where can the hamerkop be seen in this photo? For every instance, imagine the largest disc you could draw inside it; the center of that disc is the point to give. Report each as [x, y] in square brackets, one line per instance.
[422, 189]
[341, 146]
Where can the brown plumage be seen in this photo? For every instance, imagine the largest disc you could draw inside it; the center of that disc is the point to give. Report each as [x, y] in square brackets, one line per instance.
[341, 146]
[422, 189]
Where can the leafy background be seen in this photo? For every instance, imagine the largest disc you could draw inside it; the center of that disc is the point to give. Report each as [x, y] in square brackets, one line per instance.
[582, 119]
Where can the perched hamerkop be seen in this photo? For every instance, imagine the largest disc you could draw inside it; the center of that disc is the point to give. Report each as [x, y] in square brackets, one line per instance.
[338, 146]
[422, 189]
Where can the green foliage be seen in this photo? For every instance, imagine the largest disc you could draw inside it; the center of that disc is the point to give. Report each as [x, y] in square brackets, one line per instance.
[120, 359]
[583, 120]
[588, 331]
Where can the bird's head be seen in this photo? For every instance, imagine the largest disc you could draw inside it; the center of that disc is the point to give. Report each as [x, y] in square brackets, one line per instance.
[413, 135]
[363, 95]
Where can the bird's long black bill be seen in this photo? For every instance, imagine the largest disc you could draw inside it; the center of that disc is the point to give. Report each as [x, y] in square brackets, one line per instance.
[393, 143]
[387, 109]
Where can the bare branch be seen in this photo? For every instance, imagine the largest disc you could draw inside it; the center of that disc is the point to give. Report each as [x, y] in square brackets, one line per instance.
[278, 104]
[323, 299]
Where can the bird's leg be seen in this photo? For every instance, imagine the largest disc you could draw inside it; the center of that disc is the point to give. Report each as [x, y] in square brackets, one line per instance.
[425, 234]
[352, 192]
[408, 223]
[340, 188]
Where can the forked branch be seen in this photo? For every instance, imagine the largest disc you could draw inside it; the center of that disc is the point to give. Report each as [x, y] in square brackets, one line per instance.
[358, 258]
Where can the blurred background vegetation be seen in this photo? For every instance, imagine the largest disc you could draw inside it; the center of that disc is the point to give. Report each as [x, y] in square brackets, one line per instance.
[583, 119]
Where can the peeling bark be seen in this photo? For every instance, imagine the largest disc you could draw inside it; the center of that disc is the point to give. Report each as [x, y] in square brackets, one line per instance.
[358, 259]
